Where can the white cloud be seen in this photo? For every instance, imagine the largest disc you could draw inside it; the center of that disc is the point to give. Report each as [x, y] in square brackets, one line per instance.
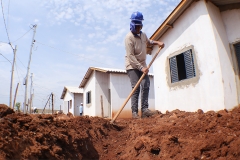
[5, 48]
[36, 20]
[91, 35]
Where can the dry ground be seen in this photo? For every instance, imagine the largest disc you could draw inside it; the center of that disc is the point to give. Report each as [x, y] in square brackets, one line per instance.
[175, 135]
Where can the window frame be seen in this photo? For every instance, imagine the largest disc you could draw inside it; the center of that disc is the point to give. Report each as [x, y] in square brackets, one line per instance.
[235, 55]
[235, 66]
[88, 101]
[184, 82]
[70, 104]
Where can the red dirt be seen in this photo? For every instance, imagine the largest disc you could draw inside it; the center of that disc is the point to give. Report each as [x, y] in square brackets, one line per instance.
[174, 135]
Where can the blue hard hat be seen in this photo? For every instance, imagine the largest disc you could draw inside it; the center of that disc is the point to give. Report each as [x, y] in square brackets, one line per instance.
[137, 16]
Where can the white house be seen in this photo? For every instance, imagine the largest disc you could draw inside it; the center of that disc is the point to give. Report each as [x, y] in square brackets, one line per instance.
[199, 66]
[105, 90]
[72, 98]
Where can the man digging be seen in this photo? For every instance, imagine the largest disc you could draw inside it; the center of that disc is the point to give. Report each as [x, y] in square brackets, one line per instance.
[136, 43]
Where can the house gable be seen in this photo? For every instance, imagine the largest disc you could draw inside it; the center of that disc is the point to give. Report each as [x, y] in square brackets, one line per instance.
[89, 109]
[196, 27]
[209, 26]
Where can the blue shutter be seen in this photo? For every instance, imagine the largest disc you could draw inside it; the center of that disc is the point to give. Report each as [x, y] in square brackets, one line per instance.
[237, 49]
[174, 69]
[189, 64]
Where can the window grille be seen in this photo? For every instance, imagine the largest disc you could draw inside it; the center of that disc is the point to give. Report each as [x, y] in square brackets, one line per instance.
[189, 64]
[182, 66]
[173, 68]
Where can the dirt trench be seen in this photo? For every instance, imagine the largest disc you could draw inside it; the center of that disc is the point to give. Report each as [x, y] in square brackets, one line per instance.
[175, 135]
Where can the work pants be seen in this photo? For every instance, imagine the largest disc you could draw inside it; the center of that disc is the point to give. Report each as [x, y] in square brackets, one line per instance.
[135, 75]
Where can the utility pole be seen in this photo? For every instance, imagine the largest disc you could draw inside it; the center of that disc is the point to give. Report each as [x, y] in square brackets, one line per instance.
[47, 103]
[32, 98]
[30, 104]
[10, 100]
[14, 102]
[52, 104]
[30, 56]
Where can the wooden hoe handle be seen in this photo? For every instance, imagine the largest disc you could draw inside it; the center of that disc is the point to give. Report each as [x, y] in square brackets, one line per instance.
[133, 90]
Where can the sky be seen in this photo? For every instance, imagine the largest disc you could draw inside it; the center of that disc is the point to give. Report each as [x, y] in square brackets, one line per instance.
[71, 36]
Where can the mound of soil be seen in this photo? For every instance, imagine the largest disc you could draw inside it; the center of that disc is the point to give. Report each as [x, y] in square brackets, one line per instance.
[174, 135]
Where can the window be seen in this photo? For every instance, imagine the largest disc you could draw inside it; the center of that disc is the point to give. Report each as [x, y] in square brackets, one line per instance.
[70, 104]
[237, 50]
[88, 97]
[182, 66]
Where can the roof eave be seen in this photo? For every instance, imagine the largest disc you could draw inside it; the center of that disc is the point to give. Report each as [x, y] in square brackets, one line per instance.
[168, 23]
[63, 93]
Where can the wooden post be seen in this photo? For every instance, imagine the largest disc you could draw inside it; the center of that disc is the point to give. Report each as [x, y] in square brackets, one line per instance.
[14, 102]
[102, 106]
[109, 104]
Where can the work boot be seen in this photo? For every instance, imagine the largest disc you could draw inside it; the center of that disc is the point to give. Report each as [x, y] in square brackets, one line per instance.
[135, 115]
[148, 113]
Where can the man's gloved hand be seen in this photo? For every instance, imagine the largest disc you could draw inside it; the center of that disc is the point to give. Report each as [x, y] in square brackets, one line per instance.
[161, 44]
[145, 70]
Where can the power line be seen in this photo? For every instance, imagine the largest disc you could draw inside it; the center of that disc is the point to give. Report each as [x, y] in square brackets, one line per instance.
[20, 70]
[21, 61]
[5, 58]
[19, 78]
[73, 54]
[3, 42]
[42, 87]
[5, 95]
[39, 93]
[6, 26]
[22, 35]
[8, 13]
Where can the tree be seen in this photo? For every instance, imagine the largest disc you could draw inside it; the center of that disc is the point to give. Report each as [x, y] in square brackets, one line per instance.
[18, 105]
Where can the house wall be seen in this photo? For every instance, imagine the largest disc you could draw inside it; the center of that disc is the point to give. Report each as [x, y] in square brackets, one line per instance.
[120, 89]
[225, 57]
[65, 107]
[89, 109]
[231, 20]
[151, 98]
[102, 86]
[68, 96]
[78, 99]
[193, 27]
